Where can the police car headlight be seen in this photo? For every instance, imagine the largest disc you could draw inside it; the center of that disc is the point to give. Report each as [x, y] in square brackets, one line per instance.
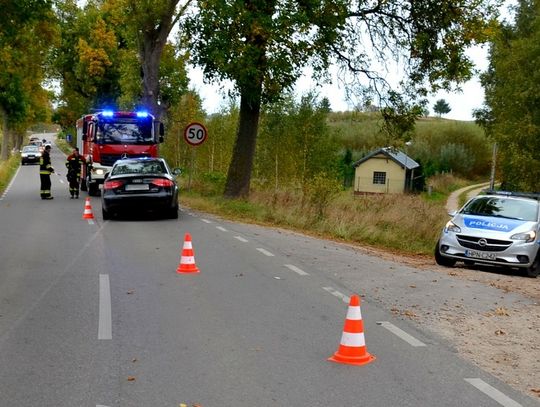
[527, 236]
[100, 172]
[452, 227]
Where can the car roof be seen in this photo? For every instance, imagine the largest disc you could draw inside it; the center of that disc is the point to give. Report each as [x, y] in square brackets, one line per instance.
[139, 159]
[512, 194]
[30, 146]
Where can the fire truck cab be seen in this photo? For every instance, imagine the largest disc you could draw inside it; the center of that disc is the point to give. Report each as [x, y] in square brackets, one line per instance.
[107, 136]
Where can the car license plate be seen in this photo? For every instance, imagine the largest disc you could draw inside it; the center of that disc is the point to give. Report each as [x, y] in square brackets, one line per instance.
[475, 254]
[137, 187]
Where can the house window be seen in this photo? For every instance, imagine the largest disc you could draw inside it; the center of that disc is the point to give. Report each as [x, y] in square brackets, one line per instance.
[379, 177]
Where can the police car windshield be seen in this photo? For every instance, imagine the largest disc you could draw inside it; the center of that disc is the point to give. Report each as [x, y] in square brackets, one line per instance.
[127, 131]
[522, 209]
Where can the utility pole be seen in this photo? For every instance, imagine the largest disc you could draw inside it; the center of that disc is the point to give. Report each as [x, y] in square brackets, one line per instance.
[493, 160]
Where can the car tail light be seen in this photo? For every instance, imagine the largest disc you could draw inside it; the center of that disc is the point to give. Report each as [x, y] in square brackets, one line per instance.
[112, 184]
[162, 182]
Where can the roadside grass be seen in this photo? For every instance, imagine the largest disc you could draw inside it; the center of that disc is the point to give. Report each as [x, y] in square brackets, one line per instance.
[408, 224]
[7, 170]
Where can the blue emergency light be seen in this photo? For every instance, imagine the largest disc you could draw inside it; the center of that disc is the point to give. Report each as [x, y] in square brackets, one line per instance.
[107, 113]
[142, 114]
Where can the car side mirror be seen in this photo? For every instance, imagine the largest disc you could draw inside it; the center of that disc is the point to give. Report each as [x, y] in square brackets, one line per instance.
[107, 175]
[177, 171]
[452, 213]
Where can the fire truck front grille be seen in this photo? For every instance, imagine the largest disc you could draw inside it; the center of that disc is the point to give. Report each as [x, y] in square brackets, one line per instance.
[109, 159]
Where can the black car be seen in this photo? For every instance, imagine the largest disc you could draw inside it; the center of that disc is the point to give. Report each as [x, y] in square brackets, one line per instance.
[140, 184]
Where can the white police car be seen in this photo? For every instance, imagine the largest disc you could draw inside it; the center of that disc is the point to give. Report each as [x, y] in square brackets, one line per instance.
[497, 228]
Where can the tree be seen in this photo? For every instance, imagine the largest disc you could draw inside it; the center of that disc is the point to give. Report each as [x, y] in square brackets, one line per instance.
[26, 33]
[262, 47]
[511, 115]
[441, 107]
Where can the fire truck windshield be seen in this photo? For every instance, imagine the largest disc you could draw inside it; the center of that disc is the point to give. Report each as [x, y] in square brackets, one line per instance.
[126, 131]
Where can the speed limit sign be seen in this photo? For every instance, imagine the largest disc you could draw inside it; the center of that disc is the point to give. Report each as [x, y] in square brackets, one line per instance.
[195, 133]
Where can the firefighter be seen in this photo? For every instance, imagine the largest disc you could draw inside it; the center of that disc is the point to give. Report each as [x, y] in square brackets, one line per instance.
[74, 163]
[45, 171]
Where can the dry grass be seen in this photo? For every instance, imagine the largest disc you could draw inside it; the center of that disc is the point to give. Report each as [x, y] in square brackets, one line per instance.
[404, 223]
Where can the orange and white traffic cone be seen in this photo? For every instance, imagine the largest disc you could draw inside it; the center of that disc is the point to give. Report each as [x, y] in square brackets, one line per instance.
[352, 348]
[87, 210]
[187, 261]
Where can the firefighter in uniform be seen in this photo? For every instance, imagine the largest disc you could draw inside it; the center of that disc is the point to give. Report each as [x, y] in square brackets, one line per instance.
[45, 171]
[74, 163]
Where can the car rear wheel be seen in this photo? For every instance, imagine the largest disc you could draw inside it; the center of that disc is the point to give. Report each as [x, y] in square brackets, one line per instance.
[173, 213]
[105, 214]
[441, 260]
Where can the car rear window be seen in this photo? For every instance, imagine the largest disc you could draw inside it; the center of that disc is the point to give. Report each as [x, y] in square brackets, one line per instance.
[139, 167]
[522, 209]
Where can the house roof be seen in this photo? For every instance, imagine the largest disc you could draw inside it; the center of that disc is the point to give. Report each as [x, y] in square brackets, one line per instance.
[395, 155]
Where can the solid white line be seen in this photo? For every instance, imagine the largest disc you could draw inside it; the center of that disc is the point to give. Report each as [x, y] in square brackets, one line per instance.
[10, 183]
[206, 220]
[241, 239]
[492, 392]
[411, 340]
[296, 270]
[221, 228]
[337, 294]
[265, 252]
[105, 318]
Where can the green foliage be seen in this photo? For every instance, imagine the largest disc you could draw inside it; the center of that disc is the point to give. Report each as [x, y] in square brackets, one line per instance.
[512, 112]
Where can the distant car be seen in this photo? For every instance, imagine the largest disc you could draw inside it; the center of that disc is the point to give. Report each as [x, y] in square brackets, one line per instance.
[140, 184]
[30, 154]
[497, 228]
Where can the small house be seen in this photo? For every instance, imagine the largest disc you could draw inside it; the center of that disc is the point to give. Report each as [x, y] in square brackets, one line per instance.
[386, 170]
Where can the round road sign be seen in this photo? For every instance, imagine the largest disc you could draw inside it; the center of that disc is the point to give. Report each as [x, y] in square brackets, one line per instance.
[195, 133]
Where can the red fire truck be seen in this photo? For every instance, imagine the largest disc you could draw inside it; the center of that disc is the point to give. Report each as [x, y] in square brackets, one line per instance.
[106, 136]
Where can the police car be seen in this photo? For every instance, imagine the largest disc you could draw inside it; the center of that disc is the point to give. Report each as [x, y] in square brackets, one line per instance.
[496, 228]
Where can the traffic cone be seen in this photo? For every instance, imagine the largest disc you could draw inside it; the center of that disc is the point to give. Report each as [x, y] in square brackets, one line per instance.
[87, 210]
[187, 261]
[352, 348]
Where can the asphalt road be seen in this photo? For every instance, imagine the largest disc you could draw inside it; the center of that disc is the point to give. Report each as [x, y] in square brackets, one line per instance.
[94, 313]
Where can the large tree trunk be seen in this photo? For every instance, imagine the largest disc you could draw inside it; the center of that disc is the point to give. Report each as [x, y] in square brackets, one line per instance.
[151, 43]
[239, 175]
[4, 148]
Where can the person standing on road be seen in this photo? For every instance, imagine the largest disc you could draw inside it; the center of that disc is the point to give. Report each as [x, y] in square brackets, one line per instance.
[74, 163]
[45, 171]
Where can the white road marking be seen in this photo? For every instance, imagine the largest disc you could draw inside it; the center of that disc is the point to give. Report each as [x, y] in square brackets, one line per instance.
[90, 221]
[296, 270]
[105, 318]
[411, 340]
[335, 293]
[265, 252]
[492, 392]
[99, 405]
[241, 239]
[10, 184]
[221, 228]
[206, 220]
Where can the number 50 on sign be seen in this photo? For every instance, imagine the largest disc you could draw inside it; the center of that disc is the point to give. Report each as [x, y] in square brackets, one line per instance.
[195, 133]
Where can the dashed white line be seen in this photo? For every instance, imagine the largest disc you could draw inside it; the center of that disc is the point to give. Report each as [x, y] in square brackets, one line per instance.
[206, 220]
[411, 340]
[296, 270]
[221, 228]
[105, 318]
[265, 252]
[492, 392]
[241, 239]
[335, 293]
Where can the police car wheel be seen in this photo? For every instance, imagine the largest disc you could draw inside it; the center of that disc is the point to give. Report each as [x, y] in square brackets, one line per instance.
[441, 260]
[534, 269]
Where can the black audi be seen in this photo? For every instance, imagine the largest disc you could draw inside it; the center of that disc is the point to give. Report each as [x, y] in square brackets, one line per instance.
[140, 184]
